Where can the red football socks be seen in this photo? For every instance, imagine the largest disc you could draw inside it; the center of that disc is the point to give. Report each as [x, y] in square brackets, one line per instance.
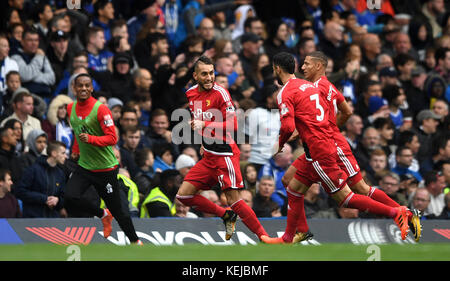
[296, 218]
[365, 203]
[202, 204]
[379, 195]
[248, 217]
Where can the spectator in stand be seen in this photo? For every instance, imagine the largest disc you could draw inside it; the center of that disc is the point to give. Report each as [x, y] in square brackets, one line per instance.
[43, 14]
[442, 57]
[370, 142]
[250, 49]
[441, 150]
[415, 95]
[432, 10]
[332, 43]
[131, 137]
[371, 89]
[404, 158]
[23, 108]
[250, 178]
[316, 203]
[262, 127]
[405, 64]
[305, 46]
[9, 158]
[17, 128]
[277, 38]
[191, 151]
[427, 122]
[353, 130]
[58, 53]
[386, 129]
[99, 59]
[206, 31]
[245, 149]
[371, 49]
[421, 201]
[145, 174]
[263, 205]
[56, 124]
[390, 183]
[402, 46]
[142, 79]
[12, 85]
[251, 25]
[103, 16]
[440, 107]
[147, 9]
[410, 140]
[377, 165]
[115, 105]
[160, 201]
[159, 132]
[35, 70]
[7, 65]
[435, 184]
[41, 187]
[396, 97]
[184, 163]
[119, 82]
[276, 168]
[9, 206]
[163, 157]
[37, 146]
[247, 196]
[445, 215]
[408, 186]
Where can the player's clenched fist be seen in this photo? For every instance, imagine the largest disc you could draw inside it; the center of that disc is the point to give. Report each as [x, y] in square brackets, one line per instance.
[197, 124]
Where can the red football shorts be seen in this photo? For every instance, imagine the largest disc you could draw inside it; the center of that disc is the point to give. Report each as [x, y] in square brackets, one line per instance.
[328, 173]
[211, 170]
[349, 165]
[346, 162]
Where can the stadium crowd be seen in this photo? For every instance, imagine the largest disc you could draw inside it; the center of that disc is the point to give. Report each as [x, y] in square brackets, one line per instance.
[392, 64]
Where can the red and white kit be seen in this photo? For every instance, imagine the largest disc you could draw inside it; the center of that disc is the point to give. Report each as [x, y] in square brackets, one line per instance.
[220, 162]
[302, 107]
[346, 160]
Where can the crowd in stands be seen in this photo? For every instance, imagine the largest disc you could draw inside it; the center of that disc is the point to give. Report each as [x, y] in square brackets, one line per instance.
[392, 64]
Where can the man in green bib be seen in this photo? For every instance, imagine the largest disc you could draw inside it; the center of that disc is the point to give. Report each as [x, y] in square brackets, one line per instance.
[95, 135]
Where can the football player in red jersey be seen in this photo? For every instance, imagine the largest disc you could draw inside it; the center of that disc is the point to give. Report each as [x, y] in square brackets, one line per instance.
[314, 68]
[214, 119]
[304, 108]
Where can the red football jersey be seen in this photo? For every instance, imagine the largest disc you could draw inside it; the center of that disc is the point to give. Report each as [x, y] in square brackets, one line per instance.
[216, 108]
[334, 98]
[304, 108]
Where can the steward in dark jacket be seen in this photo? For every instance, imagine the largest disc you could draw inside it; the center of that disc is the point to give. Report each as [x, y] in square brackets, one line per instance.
[39, 182]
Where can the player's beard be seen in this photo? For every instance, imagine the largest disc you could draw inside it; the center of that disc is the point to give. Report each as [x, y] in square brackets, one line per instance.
[202, 85]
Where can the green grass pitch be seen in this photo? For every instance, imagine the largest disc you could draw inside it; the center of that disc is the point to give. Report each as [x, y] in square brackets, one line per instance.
[197, 252]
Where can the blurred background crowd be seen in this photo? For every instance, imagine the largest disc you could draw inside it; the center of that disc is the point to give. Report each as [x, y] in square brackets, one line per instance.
[390, 59]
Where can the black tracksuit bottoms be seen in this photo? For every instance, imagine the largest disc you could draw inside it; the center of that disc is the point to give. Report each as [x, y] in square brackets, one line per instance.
[107, 186]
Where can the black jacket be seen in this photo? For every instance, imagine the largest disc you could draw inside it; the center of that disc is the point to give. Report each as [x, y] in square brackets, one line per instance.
[10, 160]
[38, 182]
